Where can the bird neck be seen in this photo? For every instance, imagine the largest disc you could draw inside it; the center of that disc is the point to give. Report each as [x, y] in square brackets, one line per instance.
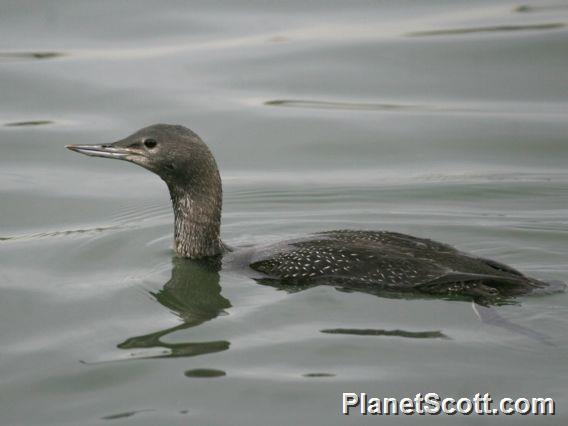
[197, 219]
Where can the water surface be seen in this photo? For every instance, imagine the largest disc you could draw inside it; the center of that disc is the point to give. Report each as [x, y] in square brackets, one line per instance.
[443, 119]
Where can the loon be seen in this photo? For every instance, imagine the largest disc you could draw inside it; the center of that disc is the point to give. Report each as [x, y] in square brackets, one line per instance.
[352, 259]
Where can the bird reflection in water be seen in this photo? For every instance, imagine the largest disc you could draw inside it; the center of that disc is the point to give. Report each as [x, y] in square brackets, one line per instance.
[193, 294]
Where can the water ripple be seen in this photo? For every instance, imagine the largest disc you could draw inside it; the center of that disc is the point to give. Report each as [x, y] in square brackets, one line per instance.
[64, 233]
[527, 109]
[28, 123]
[124, 415]
[494, 29]
[30, 55]
[525, 8]
[397, 333]
[298, 103]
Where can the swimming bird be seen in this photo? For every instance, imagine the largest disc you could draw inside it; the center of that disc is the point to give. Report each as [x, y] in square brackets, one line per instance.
[365, 260]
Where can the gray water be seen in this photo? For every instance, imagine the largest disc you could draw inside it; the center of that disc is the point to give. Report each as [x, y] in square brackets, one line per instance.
[443, 119]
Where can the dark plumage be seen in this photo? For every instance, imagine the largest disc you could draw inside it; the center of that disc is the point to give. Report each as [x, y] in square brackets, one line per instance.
[356, 259]
[383, 260]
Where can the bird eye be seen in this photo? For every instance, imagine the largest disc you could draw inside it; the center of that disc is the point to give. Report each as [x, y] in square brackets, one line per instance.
[150, 143]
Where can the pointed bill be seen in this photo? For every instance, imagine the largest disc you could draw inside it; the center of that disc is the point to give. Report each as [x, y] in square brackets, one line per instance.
[104, 151]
